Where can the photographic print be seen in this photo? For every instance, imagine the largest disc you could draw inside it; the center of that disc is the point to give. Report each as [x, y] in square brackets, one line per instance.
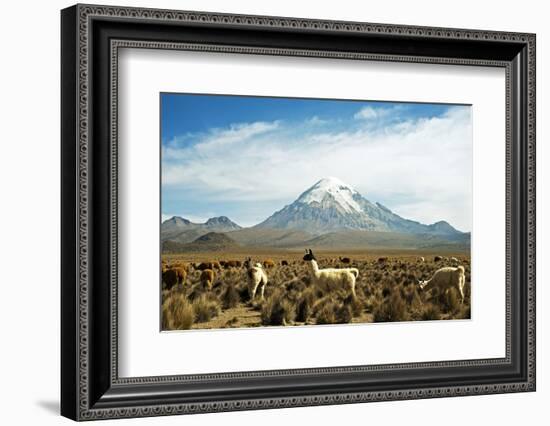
[306, 212]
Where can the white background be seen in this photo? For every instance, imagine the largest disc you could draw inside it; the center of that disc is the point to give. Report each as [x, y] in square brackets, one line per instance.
[29, 225]
[140, 343]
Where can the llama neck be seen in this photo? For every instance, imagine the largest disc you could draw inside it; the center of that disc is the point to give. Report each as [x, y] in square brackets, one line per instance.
[314, 266]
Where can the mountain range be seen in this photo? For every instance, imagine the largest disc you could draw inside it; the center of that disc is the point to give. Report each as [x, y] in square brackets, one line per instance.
[329, 214]
[183, 230]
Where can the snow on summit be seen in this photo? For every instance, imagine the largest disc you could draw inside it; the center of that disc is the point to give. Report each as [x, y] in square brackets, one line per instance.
[332, 205]
[331, 187]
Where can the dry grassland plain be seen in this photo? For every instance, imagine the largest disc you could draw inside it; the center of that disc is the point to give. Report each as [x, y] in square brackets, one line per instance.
[386, 290]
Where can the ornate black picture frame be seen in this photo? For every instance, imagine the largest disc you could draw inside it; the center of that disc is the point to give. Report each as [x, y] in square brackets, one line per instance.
[91, 36]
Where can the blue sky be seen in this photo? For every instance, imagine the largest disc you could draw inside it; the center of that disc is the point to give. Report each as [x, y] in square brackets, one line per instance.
[247, 157]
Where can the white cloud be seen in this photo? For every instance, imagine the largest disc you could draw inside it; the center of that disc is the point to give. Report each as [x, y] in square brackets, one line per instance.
[372, 113]
[366, 113]
[237, 133]
[316, 121]
[219, 139]
[421, 169]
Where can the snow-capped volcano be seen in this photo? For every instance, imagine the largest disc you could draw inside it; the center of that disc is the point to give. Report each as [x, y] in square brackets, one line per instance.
[332, 205]
[332, 191]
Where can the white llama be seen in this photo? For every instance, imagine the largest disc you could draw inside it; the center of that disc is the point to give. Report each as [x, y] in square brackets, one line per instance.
[257, 278]
[331, 278]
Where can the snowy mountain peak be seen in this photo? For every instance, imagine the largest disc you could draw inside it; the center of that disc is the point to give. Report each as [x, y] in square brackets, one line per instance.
[332, 205]
[177, 220]
[222, 221]
[332, 190]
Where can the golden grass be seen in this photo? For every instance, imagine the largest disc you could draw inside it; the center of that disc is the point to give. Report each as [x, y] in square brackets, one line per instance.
[177, 312]
[385, 292]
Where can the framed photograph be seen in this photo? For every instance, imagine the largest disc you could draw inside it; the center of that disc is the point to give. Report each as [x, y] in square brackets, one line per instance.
[266, 159]
[263, 212]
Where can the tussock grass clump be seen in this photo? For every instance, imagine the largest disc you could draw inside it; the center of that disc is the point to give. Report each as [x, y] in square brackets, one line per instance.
[277, 310]
[415, 305]
[306, 279]
[177, 313]
[295, 284]
[329, 310]
[205, 308]
[411, 296]
[430, 312]
[326, 313]
[370, 303]
[344, 314]
[304, 309]
[391, 309]
[196, 292]
[243, 293]
[230, 297]
[217, 286]
[355, 304]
